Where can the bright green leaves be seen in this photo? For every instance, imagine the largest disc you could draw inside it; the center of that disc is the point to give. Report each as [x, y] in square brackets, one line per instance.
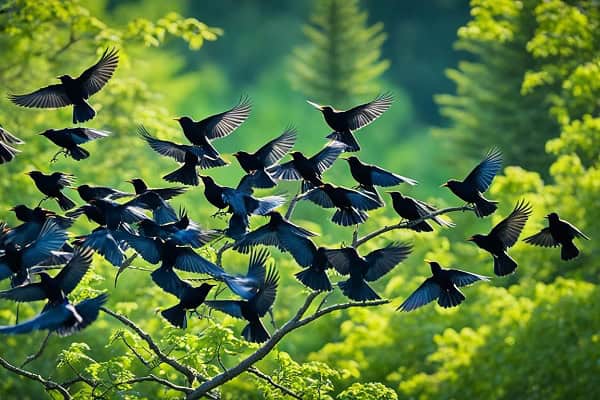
[368, 391]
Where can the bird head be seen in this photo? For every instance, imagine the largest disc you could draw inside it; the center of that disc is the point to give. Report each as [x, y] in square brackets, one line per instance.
[449, 183]
[315, 105]
[44, 277]
[64, 78]
[47, 132]
[274, 215]
[477, 239]
[33, 174]
[296, 155]
[552, 217]
[138, 184]
[434, 265]
[206, 179]
[239, 154]
[184, 121]
[352, 160]
[395, 195]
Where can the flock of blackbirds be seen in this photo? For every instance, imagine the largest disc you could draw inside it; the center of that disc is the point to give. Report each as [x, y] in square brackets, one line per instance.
[145, 222]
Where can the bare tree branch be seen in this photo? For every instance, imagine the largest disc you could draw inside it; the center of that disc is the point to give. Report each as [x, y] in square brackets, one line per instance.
[262, 375]
[292, 206]
[407, 224]
[48, 384]
[38, 353]
[154, 378]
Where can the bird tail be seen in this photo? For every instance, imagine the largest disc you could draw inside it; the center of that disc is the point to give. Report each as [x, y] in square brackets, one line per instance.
[569, 251]
[7, 153]
[346, 138]
[83, 112]
[176, 315]
[422, 226]
[314, 279]
[357, 290]
[349, 216]
[64, 202]
[255, 332]
[261, 179]
[78, 153]
[186, 175]
[504, 265]
[451, 298]
[485, 207]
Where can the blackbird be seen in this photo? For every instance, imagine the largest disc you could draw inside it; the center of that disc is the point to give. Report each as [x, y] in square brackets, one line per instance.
[415, 210]
[368, 176]
[558, 233]
[70, 139]
[52, 186]
[7, 142]
[190, 298]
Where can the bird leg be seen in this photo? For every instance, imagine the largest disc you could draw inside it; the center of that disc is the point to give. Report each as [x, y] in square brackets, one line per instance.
[42, 200]
[219, 214]
[55, 158]
[355, 235]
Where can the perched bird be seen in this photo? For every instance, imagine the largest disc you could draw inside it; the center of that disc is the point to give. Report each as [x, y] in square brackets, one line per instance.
[368, 176]
[239, 201]
[63, 318]
[140, 187]
[88, 193]
[190, 298]
[53, 288]
[70, 139]
[558, 233]
[253, 309]
[258, 162]
[200, 133]
[73, 91]
[361, 269]
[183, 232]
[351, 204]
[7, 142]
[344, 123]
[503, 236]
[52, 186]
[413, 210]
[190, 156]
[477, 182]
[16, 259]
[309, 170]
[315, 275]
[282, 234]
[442, 285]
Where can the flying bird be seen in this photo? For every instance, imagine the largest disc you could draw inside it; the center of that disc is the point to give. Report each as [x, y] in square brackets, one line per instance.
[183, 231]
[200, 133]
[414, 210]
[70, 140]
[558, 233]
[351, 204]
[247, 286]
[502, 237]
[73, 91]
[258, 162]
[52, 186]
[7, 143]
[63, 318]
[190, 156]
[443, 285]
[190, 298]
[33, 220]
[88, 193]
[361, 269]
[309, 170]
[344, 123]
[477, 182]
[140, 187]
[253, 309]
[368, 176]
[315, 275]
[102, 241]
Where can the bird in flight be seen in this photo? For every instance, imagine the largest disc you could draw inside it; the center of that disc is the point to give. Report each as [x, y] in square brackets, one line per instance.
[7, 149]
[558, 233]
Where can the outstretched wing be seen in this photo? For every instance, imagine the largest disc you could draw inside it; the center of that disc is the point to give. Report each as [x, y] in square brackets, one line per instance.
[163, 147]
[543, 238]
[31, 292]
[381, 177]
[267, 293]
[362, 115]
[426, 293]
[325, 158]
[190, 261]
[464, 278]
[286, 171]
[341, 259]
[221, 125]
[482, 175]
[50, 238]
[70, 276]
[96, 76]
[509, 229]
[53, 96]
[384, 260]
[260, 236]
[274, 151]
[230, 307]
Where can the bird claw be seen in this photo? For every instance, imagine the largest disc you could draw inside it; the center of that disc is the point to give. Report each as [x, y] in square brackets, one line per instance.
[42, 200]
[219, 214]
[55, 158]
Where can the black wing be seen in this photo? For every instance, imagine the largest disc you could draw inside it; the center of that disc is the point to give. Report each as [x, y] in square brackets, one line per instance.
[426, 293]
[96, 76]
[482, 175]
[53, 96]
[70, 276]
[362, 115]
[221, 125]
[325, 158]
[342, 259]
[543, 238]
[277, 148]
[163, 147]
[267, 293]
[509, 229]
[384, 260]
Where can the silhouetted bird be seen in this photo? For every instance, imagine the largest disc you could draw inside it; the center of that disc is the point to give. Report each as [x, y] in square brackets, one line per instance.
[170, 255]
[477, 182]
[413, 210]
[7, 149]
[52, 186]
[443, 286]
[140, 187]
[361, 269]
[70, 139]
[53, 288]
[73, 91]
[503, 236]
[315, 276]
[88, 193]
[258, 162]
[200, 133]
[253, 309]
[64, 318]
[351, 204]
[183, 232]
[558, 233]
[368, 176]
[102, 241]
[190, 156]
[344, 123]
[282, 234]
[307, 169]
[190, 298]
[33, 220]
[110, 213]
[16, 259]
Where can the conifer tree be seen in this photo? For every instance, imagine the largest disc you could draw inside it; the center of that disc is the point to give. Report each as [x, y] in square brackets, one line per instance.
[342, 60]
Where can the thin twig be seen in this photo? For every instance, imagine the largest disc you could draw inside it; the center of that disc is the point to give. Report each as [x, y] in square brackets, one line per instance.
[48, 384]
[262, 375]
[221, 251]
[154, 378]
[408, 224]
[38, 353]
[292, 206]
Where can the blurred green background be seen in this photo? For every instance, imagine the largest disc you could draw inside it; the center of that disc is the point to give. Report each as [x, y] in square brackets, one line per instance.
[520, 75]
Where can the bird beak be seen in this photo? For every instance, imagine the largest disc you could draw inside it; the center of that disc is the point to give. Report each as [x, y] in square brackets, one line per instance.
[445, 184]
[315, 105]
[471, 239]
[129, 181]
[176, 119]
[236, 154]
[11, 209]
[28, 173]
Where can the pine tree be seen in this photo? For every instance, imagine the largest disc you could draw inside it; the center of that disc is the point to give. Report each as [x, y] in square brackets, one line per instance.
[490, 107]
[342, 61]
